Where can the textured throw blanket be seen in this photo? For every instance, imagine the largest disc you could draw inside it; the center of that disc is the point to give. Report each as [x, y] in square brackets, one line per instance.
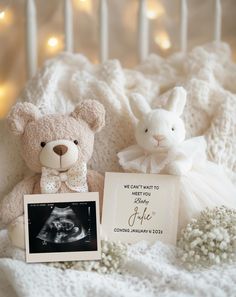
[208, 74]
[149, 271]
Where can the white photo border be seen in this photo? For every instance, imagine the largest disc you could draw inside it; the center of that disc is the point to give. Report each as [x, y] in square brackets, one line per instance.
[62, 256]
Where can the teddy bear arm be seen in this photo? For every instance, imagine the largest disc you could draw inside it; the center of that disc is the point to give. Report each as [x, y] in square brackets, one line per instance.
[96, 184]
[12, 205]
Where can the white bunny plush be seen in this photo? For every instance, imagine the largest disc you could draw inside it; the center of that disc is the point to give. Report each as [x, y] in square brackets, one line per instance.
[161, 148]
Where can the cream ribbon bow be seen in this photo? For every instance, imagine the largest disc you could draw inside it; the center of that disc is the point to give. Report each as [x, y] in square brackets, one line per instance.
[75, 179]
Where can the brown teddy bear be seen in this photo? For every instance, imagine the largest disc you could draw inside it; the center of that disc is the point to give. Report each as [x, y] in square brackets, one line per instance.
[56, 148]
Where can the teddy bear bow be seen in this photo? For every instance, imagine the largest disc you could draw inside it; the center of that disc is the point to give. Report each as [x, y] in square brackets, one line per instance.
[75, 179]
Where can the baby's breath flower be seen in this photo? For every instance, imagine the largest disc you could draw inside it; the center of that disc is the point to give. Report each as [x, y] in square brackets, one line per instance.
[113, 257]
[209, 239]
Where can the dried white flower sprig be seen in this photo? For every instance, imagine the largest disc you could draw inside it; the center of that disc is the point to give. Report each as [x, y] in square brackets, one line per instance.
[113, 257]
[210, 239]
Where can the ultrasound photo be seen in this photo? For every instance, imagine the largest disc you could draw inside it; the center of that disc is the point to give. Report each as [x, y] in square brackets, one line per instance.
[62, 227]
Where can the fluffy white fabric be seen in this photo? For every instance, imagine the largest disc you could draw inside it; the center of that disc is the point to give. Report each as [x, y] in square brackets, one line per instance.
[203, 185]
[208, 74]
[149, 271]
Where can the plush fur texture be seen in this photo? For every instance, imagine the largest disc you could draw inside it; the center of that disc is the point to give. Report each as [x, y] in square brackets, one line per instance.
[12, 204]
[20, 115]
[159, 130]
[91, 113]
[39, 134]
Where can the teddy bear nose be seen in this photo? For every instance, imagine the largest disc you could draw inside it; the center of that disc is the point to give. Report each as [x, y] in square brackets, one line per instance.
[60, 149]
[159, 137]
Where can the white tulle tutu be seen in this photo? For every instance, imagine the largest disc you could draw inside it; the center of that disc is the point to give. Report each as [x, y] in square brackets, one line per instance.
[205, 185]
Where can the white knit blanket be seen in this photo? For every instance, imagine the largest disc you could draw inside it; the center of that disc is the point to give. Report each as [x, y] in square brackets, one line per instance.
[208, 74]
[149, 271]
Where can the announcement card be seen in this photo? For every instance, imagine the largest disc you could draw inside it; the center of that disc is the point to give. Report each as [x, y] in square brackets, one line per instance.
[140, 207]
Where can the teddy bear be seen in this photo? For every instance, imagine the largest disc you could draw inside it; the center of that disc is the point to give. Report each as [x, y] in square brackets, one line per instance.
[161, 148]
[56, 148]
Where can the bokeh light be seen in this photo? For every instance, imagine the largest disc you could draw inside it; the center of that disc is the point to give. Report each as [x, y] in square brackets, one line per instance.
[162, 39]
[6, 17]
[54, 44]
[7, 97]
[84, 5]
[154, 9]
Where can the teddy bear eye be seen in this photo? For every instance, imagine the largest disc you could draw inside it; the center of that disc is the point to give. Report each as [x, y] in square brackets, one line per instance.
[173, 129]
[76, 142]
[43, 144]
[146, 130]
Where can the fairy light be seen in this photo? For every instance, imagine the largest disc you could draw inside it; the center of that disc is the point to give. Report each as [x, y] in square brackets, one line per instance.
[163, 40]
[54, 44]
[154, 9]
[2, 91]
[6, 17]
[84, 5]
[7, 95]
[2, 15]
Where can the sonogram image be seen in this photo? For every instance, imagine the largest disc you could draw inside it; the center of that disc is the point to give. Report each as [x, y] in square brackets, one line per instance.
[62, 227]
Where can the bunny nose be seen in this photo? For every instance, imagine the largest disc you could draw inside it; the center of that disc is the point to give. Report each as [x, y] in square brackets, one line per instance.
[60, 149]
[159, 137]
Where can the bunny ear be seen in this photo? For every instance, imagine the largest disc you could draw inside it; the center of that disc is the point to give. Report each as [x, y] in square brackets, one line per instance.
[177, 100]
[139, 105]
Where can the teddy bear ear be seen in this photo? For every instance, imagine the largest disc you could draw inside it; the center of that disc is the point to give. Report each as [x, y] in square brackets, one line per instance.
[20, 115]
[177, 100]
[139, 105]
[92, 112]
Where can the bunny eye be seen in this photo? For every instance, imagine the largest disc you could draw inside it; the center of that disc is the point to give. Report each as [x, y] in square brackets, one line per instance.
[146, 130]
[173, 129]
[43, 144]
[76, 142]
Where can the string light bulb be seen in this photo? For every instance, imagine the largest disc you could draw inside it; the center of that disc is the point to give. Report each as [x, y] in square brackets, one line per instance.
[84, 5]
[6, 17]
[54, 44]
[163, 40]
[2, 15]
[2, 91]
[7, 97]
[154, 9]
